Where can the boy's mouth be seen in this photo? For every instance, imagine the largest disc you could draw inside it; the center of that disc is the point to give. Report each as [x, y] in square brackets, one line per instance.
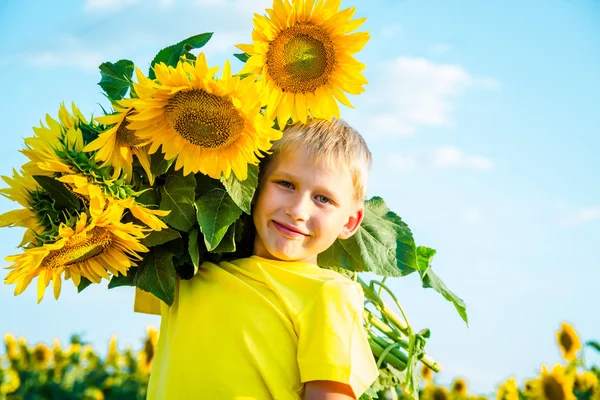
[288, 230]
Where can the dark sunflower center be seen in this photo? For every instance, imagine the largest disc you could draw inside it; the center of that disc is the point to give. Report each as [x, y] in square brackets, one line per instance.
[553, 390]
[301, 58]
[565, 341]
[79, 248]
[439, 394]
[459, 387]
[41, 355]
[204, 119]
[126, 137]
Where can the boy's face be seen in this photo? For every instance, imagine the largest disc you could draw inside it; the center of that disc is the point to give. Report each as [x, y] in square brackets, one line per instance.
[302, 207]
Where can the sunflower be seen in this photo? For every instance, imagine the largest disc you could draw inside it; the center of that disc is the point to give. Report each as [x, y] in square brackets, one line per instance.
[12, 350]
[9, 381]
[568, 341]
[21, 187]
[146, 356]
[211, 126]
[555, 385]
[303, 51]
[586, 382]
[508, 391]
[111, 355]
[90, 251]
[93, 393]
[426, 373]
[459, 388]
[41, 149]
[118, 144]
[94, 195]
[144, 214]
[41, 355]
[433, 392]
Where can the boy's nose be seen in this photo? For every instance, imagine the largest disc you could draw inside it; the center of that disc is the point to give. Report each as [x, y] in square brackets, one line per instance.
[298, 208]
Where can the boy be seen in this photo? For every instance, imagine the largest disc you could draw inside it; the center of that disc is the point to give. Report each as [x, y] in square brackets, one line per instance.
[275, 325]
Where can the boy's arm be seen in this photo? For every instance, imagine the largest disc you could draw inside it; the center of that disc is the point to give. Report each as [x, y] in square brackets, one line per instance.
[328, 390]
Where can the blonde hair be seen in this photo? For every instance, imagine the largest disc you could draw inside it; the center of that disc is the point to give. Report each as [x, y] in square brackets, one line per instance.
[336, 143]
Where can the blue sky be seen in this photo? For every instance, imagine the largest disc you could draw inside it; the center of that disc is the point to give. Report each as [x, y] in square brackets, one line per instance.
[482, 118]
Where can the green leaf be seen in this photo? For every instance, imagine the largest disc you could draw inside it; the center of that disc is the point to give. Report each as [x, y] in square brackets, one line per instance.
[116, 78]
[62, 196]
[205, 184]
[177, 195]
[83, 283]
[215, 212]
[242, 192]
[156, 238]
[227, 244]
[158, 164]
[424, 257]
[431, 280]
[123, 280]
[171, 55]
[156, 274]
[148, 198]
[383, 245]
[194, 249]
[243, 57]
[594, 345]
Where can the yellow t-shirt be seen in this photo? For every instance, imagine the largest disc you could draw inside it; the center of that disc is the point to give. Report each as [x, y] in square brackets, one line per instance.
[258, 329]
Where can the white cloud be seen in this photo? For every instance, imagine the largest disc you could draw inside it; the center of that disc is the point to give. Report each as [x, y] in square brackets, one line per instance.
[417, 92]
[452, 156]
[584, 215]
[225, 41]
[86, 60]
[402, 162]
[105, 6]
[438, 157]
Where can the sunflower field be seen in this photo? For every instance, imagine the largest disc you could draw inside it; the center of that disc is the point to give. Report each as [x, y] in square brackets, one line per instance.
[78, 372]
[164, 179]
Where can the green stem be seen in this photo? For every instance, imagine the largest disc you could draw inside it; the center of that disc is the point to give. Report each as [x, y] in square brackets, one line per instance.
[394, 351]
[389, 358]
[384, 308]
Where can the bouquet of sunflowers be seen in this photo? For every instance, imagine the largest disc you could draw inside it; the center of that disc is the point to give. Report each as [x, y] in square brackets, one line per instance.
[164, 181]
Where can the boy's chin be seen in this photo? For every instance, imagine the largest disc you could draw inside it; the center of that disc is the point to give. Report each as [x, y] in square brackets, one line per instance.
[290, 255]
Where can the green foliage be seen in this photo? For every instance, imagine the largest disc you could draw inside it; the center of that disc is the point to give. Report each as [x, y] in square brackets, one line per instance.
[123, 280]
[242, 192]
[171, 55]
[430, 280]
[63, 197]
[243, 57]
[383, 245]
[177, 195]
[156, 238]
[156, 274]
[116, 78]
[158, 164]
[215, 212]
[195, 250]
[594, 345]
[83, 283]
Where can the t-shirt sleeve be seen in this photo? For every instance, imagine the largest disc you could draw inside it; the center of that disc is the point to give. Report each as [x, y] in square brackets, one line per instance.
[332, 341]
[146, 302]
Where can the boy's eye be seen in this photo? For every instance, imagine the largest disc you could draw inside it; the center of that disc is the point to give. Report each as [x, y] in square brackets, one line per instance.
[323, 199]
[285, 184]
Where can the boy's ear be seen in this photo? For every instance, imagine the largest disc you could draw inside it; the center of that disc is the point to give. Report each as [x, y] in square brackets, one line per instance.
[352, 224]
